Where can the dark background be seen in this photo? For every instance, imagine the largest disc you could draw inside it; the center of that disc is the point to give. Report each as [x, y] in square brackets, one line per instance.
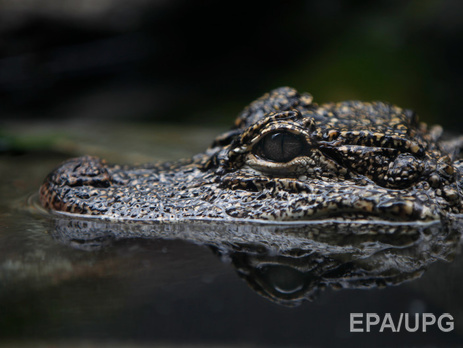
[202, 62]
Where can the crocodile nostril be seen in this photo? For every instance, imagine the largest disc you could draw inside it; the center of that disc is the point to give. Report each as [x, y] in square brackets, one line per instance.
[94, 182]
[83, 171]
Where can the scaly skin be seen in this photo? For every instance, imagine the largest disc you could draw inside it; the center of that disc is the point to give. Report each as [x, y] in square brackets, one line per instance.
[286, 158]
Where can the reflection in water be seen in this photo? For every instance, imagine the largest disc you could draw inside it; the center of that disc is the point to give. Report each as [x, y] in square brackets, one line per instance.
[289, 262]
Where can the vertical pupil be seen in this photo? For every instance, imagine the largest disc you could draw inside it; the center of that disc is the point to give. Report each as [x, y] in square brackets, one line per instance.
[276, 143]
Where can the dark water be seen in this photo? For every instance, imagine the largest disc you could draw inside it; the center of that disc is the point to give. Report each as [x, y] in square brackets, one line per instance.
[70, 282]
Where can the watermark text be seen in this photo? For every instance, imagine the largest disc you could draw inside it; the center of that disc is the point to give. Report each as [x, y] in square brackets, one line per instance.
[418, 322]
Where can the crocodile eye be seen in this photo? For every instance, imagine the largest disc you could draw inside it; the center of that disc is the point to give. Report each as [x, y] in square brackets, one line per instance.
[280, 147]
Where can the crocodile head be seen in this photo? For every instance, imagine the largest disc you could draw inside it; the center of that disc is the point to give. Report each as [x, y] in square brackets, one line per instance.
[286, 158]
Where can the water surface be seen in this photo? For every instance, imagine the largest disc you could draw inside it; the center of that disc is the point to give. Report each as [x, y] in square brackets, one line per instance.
[71, 281]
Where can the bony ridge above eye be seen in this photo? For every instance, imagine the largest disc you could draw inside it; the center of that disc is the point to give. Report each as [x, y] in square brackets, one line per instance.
[280, 146]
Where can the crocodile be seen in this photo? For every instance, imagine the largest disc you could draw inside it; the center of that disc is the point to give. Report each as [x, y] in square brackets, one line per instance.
[286, 158]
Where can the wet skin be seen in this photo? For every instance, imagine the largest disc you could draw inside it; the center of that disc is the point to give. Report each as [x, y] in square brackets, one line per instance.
[286, 158]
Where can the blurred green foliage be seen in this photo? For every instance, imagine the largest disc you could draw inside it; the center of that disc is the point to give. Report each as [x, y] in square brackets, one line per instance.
[201, 63]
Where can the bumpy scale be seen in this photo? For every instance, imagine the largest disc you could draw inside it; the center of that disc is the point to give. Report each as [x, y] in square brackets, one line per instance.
[286, 158]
